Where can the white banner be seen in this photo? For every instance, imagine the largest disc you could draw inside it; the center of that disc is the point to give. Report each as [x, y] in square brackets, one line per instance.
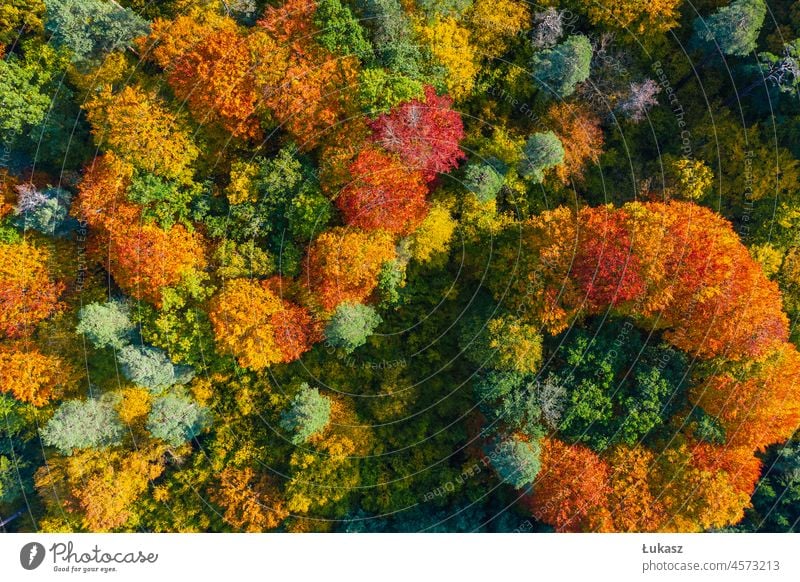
[406, 557]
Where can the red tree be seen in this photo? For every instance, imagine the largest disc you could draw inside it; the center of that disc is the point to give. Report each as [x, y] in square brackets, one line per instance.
[424, 133]
[384, 194]
[572, 488]
[605, 266]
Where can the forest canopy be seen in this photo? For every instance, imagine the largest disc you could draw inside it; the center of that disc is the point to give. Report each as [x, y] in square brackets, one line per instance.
[399, 266]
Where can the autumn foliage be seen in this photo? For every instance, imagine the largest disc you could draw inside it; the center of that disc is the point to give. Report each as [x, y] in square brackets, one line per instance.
[425, 134]
[252, 502]
[681, 268]
[758, 404]
[28, 294]
[143, 259]
[99, 486]
[676, 260]
[258, 327]
[343, 264]
[572, 488]
[141, 131]
[384, 194]
[334, 265]
[31, 376]
[102, 197]
[581, 135]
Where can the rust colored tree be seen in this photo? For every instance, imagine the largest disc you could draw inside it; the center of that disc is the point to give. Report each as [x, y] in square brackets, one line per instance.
[384, 194]
[572, 488]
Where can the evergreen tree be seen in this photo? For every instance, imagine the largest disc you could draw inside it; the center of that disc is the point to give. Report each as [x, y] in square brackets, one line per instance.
[351, 325]
[558, 70]
[733, 28]
[516, 461]
[176, 419]
[542, 152]
[307, 415]
[106, 324]
[150, 367]
[83, 424]
[90, 28]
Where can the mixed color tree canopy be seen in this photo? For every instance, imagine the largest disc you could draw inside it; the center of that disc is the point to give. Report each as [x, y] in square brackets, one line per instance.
[399, 266]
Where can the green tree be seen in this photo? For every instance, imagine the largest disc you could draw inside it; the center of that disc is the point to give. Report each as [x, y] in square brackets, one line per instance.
[90, 28]
[181, 325]
[515, 460]
[176, 419]
[340, 32]
[10, 486]
[285, 200]
[776, 500]
[558, 70]
[706, 427]
[351, 325]
[150, 367]
[309, 213]
[106, 324]
[22, 98]
[781, 72]
[380, 90]
[82, 424]
[245, 259]
[391, 280]
[392, 36]
[510, 402]
[454, 8]
[733, 28]
[45, 211]
[164, 202]
[307, 415]
[542, 151]
[483, 180]
[618, 389]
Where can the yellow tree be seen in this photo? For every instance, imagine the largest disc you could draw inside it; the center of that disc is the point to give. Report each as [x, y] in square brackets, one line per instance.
[101, 488]
[343, 264]
[255, 325]
[633, 506]
[141, 131]
[450, 45]
[28, 294]
[252, 503]
[494, 24]
[639, 17]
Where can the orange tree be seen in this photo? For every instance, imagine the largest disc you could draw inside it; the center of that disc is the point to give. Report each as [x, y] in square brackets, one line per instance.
[681, 271]
[343, 264]
[28, 294]
[258, 327]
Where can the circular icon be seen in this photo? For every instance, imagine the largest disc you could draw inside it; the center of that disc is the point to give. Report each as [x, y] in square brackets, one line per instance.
[31, 555]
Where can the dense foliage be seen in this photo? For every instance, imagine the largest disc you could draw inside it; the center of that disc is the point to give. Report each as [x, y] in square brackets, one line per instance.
[399, 265]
